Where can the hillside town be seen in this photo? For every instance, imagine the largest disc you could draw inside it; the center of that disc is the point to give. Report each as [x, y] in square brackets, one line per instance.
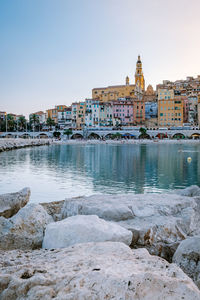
[171, 105]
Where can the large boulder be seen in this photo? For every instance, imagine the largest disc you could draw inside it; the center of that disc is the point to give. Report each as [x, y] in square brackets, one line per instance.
[83, 229]
[11, 203]
[25, 230]
[159, 222]
[187, 257]
[92, 271]
[190, 191]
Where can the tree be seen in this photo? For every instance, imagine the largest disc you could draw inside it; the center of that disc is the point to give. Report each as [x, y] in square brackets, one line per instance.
[34, 121]
[50, 123]
[56, 134]
[68, 132]
[22, 123]
[2, 125]
[10, 122]
[143, 133]
[117, 136]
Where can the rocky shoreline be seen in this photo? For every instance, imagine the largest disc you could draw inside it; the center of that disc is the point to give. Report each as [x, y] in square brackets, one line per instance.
[11, 144]
[101, 247]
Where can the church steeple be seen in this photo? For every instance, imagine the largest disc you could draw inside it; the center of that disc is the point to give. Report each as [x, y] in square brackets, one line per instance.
[127, 80]
[139, 77]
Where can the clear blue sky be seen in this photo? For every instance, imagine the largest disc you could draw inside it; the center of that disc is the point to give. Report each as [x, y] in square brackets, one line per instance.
[55, 51]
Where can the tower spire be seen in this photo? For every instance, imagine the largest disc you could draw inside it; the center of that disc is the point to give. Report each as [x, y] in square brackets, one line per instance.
[139, 77]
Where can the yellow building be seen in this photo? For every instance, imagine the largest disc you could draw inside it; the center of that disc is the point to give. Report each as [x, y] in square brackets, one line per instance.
[112, 93]
[53, 113]
[79, 110]
[170, 109]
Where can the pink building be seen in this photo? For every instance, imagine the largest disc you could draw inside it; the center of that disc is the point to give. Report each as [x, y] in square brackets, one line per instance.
[123, 110]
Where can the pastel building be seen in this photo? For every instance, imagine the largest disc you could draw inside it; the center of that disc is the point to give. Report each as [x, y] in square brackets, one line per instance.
[138, 112]
[170, 109]
[123, 110]
[78, 110]
[65, 118]
[88, 113]
[106, 114]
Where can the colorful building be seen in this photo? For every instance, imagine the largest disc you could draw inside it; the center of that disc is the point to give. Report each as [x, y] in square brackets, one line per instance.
[138, 112]
[112, 93]
[123, 110]
[170, 109]
[78, 115]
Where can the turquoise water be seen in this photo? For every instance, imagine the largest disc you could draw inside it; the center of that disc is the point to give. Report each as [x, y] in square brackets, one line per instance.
[59, 171]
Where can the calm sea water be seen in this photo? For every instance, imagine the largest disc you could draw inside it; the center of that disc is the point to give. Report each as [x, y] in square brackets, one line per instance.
[59, 171]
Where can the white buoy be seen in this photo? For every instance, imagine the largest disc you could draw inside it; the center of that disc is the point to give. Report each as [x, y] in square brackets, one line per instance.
[189, 159]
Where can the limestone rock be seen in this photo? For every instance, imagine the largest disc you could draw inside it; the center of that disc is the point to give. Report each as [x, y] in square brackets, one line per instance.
[25, 230]
[54, 209]
[159, 222]
[92, 271]
[83, 229]
[190, 191]
[11, 203]
[107, 211]
[187, 257]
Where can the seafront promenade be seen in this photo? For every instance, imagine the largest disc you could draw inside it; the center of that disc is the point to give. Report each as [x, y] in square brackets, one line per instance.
[106, 133]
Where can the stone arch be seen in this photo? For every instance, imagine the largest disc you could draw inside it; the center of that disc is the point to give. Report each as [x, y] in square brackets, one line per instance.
[195, 136]
[76, 136]
[9, 135]
[178, 135]
[25, 136]
[108, 136]
[94, 136]
[43, 136]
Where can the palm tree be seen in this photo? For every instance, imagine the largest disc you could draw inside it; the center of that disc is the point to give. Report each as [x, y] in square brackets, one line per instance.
[50, 123]
[34, 120]
[22, 123]
[10, 122]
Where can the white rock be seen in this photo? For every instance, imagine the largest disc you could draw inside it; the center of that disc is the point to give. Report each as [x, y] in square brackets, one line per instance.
[93, 271]
[190, 191]
[11, 203]
[83, 229]
[25, 230]
[187, 257]
[107, 211]
[159, 222]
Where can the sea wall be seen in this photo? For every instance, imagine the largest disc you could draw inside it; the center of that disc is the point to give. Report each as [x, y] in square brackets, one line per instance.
[11, 144]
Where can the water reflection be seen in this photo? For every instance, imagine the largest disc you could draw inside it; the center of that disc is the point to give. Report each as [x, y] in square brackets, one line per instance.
[56, 172]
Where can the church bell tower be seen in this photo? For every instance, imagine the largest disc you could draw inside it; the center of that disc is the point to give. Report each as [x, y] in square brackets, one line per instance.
[139, 77]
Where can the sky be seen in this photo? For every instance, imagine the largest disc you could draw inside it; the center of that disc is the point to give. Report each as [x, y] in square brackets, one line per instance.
[55, 51]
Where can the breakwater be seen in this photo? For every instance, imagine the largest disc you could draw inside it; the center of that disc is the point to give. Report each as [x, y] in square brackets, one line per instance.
[11, 144]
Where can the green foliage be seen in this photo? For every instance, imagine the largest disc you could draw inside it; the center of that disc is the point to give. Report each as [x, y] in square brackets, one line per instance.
[143, 130]
[21, 123]
[50, 123]
[116, 136]
[56, 134]
[68, 132]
